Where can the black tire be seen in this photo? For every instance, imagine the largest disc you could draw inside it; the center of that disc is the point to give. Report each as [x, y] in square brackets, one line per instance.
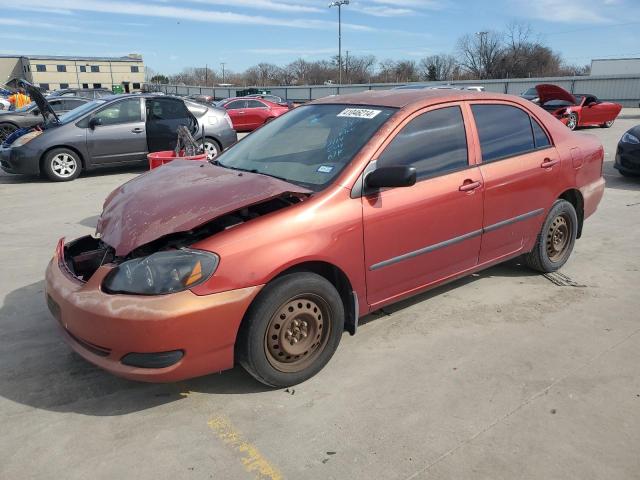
[54, 161]
[547, 256]
[6, 129]
[212, 144]
[572, 123]
[262, 329]
[624, 173]
[607, 124]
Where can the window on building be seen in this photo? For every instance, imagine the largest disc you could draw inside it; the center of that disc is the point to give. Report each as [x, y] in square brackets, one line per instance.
[44, 86]
[136, 86]
[83, 68]
[97, 85]
[95, 68]
[435, 143]
[64, 85]
[135, 69]
[85, 85]
[41, 68]
[61, 68]
[504, 130]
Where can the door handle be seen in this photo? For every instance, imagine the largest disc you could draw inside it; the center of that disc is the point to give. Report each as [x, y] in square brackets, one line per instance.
[240, 112]
[469, 185]
[548, 162]
[137, 130]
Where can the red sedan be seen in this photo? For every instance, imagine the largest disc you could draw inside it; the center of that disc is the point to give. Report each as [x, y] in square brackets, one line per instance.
[343, 206]
[247, 114]
[577, 110]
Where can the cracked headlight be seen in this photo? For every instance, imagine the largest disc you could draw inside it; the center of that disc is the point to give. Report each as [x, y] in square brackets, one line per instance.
[161, 273]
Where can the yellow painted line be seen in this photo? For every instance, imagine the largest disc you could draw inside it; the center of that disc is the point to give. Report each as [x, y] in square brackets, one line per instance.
[252, 459]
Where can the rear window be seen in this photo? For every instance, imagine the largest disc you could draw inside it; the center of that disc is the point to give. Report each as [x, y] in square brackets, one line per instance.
[504, 131]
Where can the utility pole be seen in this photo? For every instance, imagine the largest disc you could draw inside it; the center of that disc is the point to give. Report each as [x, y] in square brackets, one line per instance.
[339, 4]
[223, 64]
[482, 36]
[346, 67]
[206, 74]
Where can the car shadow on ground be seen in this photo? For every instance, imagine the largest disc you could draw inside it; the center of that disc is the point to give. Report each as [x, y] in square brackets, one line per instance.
[41, 371]
[9, 178]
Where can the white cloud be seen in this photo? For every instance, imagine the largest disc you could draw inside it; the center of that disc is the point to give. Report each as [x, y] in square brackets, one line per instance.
[383, 11]
[304, 52]
[263, 5]
[569, 11]
[415, 4]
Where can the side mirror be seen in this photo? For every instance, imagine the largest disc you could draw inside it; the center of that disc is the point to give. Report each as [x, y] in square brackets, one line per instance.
[396, 176]
[94, 122]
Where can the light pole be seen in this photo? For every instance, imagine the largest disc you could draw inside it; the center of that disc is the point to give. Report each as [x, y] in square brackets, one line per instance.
[482, 36]
[223, 64]
[339, 4]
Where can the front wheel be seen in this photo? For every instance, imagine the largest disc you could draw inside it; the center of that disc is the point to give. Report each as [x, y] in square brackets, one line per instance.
[607, 124]
[61, 165]
[6, 129]
[556, 240]
[291, 330]
[572, 121]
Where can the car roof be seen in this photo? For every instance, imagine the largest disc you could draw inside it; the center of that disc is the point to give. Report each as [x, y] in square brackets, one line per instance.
[402, 98]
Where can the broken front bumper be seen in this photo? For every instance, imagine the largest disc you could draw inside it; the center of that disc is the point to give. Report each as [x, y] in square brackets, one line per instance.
[112, 331]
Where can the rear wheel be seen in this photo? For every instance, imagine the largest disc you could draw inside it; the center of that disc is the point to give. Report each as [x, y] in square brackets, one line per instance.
[61, 165]
[211, 148]
[291, 330]
[607, 124]
[6, 129]
[572, 121]
[556, 240]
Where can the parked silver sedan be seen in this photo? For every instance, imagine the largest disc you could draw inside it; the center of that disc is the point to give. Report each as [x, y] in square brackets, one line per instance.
[110, 131]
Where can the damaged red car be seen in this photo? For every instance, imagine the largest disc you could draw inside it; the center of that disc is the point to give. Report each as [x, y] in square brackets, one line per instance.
[583, 110]
[266, 255]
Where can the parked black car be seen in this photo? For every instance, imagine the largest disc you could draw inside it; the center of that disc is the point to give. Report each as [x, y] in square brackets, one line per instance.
[628, 153]
[31, 116]
[90, 93]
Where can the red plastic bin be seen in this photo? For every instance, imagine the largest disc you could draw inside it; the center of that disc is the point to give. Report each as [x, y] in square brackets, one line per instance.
[157, 159]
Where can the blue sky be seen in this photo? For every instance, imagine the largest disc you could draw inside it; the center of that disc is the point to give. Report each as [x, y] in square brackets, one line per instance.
[172, 34]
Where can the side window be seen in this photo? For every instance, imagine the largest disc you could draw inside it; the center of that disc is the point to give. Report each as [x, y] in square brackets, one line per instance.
[71, 104]
[126, 111]
[434, 143]
[504, 131]
[255, 104]
[56, 105]
[539, 136]
[236, 105]
[166, 109]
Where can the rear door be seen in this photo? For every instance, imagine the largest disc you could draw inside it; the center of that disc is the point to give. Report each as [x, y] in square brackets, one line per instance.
[419, 235]
[256, 113]
[521, 173]
[120, 135]
[164, 116]
[237, 111]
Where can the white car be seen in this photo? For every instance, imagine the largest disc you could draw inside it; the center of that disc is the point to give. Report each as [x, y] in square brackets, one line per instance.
[4, 104]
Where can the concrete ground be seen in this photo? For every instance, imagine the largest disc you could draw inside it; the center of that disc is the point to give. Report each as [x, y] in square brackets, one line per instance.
[501, 375]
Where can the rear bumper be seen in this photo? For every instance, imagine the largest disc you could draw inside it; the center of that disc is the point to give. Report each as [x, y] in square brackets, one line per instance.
[104, 329]
[19, 160]
[592, 194]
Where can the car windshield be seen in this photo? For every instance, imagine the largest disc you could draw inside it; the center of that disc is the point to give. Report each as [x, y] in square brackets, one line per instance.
[308, 146]
[531, 91]
[76, 113]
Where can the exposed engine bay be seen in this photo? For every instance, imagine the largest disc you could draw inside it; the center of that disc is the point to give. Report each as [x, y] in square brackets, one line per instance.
[86, 254]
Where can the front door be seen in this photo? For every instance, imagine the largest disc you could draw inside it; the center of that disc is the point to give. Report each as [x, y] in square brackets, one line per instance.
[420, 235]
[521, 170]
[118, 134]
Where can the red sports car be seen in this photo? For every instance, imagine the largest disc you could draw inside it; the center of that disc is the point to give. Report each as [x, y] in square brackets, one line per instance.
[247, 114]
[577, 110]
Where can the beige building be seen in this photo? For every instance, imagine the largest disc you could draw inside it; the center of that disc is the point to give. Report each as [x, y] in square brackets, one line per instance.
[52, 73]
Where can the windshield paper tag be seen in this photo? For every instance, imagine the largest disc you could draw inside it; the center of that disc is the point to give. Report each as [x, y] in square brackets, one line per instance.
[359, 113]
[325, 168]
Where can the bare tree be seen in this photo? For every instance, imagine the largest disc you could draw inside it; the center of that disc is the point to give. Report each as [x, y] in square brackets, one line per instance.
[440, 66]
[480, 53]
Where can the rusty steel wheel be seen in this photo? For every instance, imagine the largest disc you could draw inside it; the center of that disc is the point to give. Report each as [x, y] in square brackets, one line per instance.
[297, 333]
[291, 329]
[558, 238]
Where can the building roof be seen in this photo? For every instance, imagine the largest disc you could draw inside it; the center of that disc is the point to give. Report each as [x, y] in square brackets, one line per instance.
[77, 59]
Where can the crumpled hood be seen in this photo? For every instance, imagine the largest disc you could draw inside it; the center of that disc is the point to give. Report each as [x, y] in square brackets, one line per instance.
[547, 92]
[178, 197]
